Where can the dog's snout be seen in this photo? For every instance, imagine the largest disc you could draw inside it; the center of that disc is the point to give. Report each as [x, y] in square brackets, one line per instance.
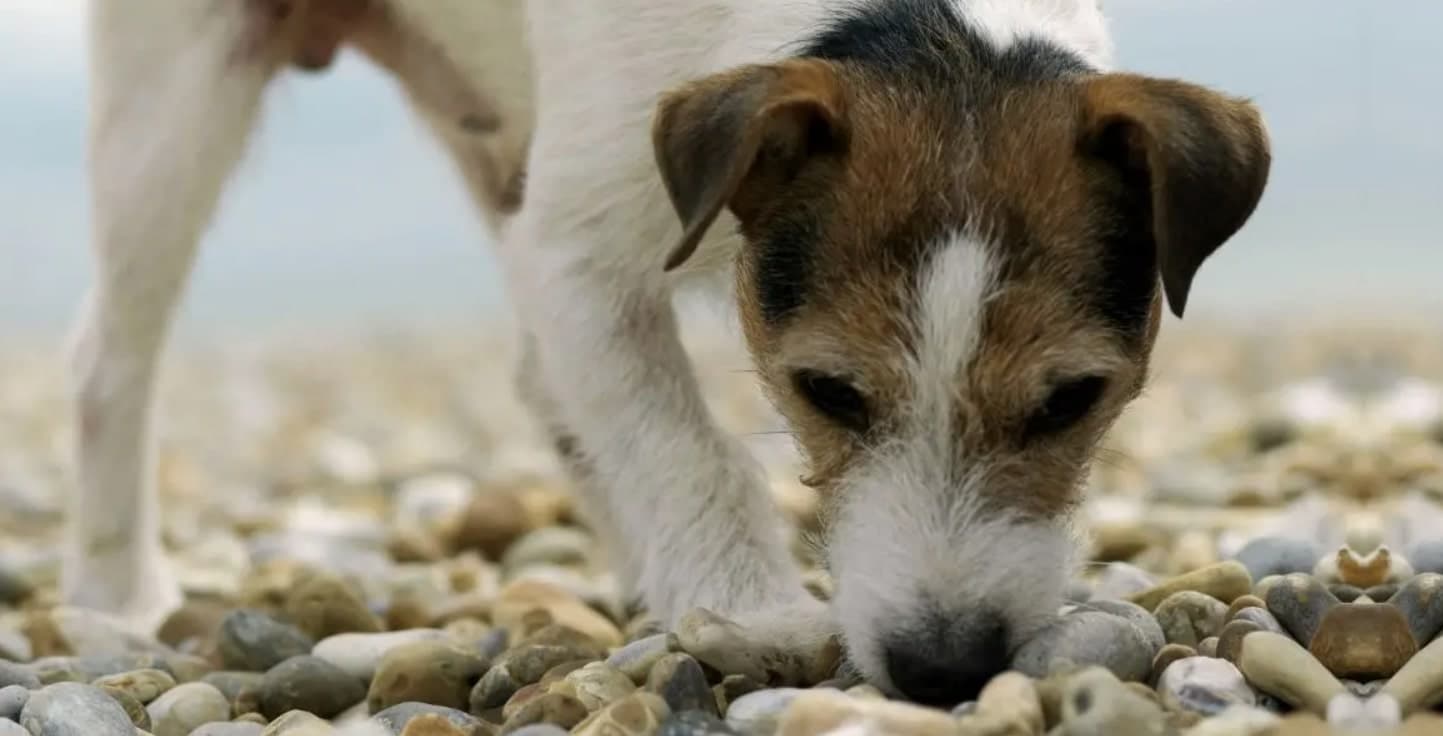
[949, 659]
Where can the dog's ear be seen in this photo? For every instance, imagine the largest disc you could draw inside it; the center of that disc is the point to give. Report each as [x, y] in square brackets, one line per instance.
[1200, 159]
[729, 139]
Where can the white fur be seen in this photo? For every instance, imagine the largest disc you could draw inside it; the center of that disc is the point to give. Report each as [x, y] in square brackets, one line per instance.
[683, 503]
[913, 525]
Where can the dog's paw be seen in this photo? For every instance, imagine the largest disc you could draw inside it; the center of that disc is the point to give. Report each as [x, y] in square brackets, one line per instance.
[796, 644]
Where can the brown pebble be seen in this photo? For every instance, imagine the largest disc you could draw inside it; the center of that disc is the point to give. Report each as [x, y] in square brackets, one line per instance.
[490, 523]
[436, 724]
[520, 698]
[559, 710]
[637, 714]
[1226, 581]
[1230, 641]
[1245, 601]
[1363, 641]
[435, 672]
[1208, 647]
[322, 605]
[1167, 655]
[414, 546]
[197, 620]
[407, 612]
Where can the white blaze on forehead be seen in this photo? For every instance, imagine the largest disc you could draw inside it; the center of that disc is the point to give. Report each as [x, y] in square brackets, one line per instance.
[952, 291]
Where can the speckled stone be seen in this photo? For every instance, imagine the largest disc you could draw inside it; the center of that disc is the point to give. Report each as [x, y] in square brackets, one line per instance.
[638, 714]
[1299, 602]
[1094, 703]
[322, 605]
[73, 709]
[134, 710]
[1421, 602]
[1363, 641]
[1188, 617]
[143, 685]
[554, 708]
[1203, 685]
[679, 680]
[1225, 581]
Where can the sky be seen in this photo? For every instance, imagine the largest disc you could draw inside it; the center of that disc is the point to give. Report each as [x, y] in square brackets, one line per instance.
[344, 213]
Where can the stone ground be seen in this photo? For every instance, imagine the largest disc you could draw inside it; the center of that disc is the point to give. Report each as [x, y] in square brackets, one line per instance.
[376, 541]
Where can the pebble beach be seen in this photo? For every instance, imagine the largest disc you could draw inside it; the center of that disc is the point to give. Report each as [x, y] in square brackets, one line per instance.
[375, 538]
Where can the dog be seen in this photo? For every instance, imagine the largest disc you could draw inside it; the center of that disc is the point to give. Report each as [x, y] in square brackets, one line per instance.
[951, 229]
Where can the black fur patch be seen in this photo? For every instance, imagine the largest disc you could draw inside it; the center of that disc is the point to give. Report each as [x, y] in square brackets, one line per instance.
[783, 267]
[929, 42]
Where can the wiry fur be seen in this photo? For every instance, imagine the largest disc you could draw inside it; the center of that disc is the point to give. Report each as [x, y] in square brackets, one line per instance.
[837, 184]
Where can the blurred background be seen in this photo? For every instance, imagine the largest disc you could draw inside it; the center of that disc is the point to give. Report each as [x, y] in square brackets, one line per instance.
[345, 215]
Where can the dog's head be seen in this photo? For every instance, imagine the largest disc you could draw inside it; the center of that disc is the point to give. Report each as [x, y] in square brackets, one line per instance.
[951, 295]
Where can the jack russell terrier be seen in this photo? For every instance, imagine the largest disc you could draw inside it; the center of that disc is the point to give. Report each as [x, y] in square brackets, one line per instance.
[951, 231]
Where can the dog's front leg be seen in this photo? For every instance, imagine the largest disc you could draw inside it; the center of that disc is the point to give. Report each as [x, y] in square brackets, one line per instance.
[681, 504]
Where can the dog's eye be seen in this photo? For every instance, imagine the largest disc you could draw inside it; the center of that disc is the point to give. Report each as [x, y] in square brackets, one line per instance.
[1066, 406]
[833, 397]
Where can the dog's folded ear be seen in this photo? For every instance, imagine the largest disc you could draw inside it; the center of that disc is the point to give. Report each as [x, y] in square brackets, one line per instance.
[727, 140]
[1199, 158]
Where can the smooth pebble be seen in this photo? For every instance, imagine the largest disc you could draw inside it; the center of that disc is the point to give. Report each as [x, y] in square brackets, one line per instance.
[186, 707]
[73, 709]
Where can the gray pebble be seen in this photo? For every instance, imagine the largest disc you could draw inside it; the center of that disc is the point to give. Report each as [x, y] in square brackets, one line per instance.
[1421, 601]
[91, 668]
[552, 545]
[1299, 602]
[73, 709]
[695, 723]
[1119, 580]
[760, 711]
[230, 684]
[12, 699]
[18, 674]
[636, 659]
[231, 728]
[397, 716]
[1188, 617]
[251, 641]
[1261, 617]
[1085, 638]
[1266, 556]
[540, 729]
[1426, 556]
[14, 645]
[1145, 622]
[310, 684]
[187, 707]
[1204, 685]
[679, 680]
[11, 728]
[494, 689]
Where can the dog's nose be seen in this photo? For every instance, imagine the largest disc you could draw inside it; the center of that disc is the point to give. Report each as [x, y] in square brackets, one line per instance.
[948, 661]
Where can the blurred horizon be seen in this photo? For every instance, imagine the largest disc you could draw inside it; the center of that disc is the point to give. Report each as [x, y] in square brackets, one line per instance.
[336, 224]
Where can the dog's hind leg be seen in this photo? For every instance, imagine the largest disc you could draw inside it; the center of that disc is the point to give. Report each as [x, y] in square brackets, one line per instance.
[175, 91]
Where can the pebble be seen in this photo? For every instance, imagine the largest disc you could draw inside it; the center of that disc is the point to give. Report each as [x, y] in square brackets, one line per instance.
[1118, 580]
[1237, 720]
[1259, 616]
[1349, 567]
[66, 630]
[230, 728]
[143, 685]
[760, 711]
[18, 674]
[695, 723]
[554, 708]
[490, 524]
[1299, 602]
[1146, 623]
[725, 646]
[1268, 555]
[493, 689]
[184, 708]
[73, 709]
[556, 545]
[679, 680]
[521, 597]
[255, 642]
[397, 716]
[1230, 641]
[310, 684]
[435, 672]
[638, 714]
[358, 654]
[297, 723]
[1281, 667]
[1165, 657]
[1421, 602]
[1418, 685]
[1225, 581]
[828, 711]
[1378, 714]
[1086, 638]
[1363, 641]
[1010, 700]
[12, 699]
[1203, 685]
[636, 659]
[1188, 617]
[1427, 556]
[1095, 703]
[134, 710]
[230, 684]
[11, 728]
[1208, 647]
[322, 605]
[597, 684]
